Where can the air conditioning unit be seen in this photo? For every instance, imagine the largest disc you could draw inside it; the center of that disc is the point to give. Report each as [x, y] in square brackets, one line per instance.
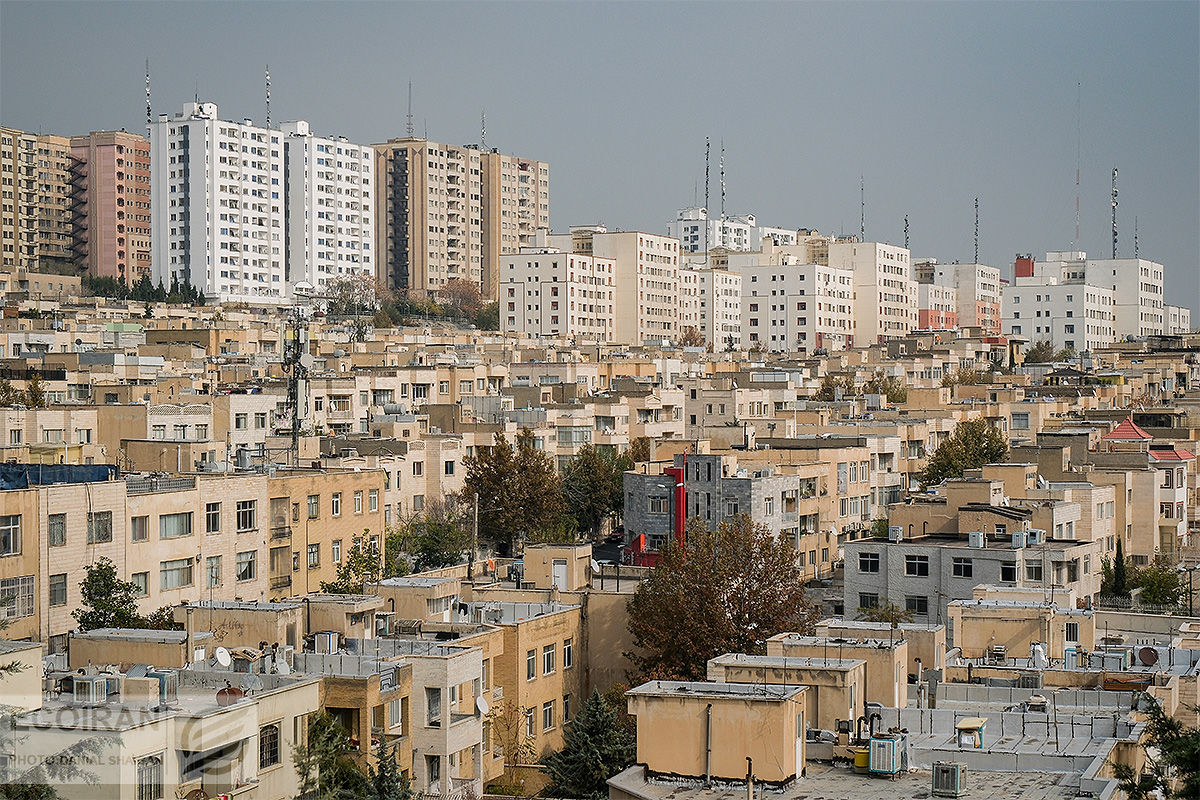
[977, 539]
[888, 754]
[1019, 539]
[325, 642]
[1035, 537]
[895, 533]
[1029, 680]
[91, 690]
[949, 779]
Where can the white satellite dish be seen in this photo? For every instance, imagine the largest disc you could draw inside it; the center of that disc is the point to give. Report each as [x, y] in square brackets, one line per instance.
[595, 565]
[481, 705]
[252, 682]
[306, 360]
[282, 668]
[223, 657]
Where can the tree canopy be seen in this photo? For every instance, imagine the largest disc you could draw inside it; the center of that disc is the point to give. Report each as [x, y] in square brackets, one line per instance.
[361, 564]
[440, 535]
[975, 442]
[593, 486]
[324, 765]
[519, 490]
[107, 601]
[595, 747]
[1172, 767]
[1040, 353]
[722, 591]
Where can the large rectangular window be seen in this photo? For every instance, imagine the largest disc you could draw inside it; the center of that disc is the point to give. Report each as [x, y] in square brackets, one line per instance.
[150, 778]
[175, 574]
[548, 659]
[314, 506]
[962, 568]
[246, 565]
[175, 526]
[916, 566]
[268, 746]
[139, 529]
[868, 562]
[16, 597]
[568, 653]
[917, 604]
[99, 527]
[10, 535]
[58, 589]
[212, 568]
[212, 517]
[548, 715]
[530, 665]
[56, 531]
[247, 515]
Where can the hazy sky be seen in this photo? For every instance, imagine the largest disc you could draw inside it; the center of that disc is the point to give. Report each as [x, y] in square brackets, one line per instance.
[933, 103]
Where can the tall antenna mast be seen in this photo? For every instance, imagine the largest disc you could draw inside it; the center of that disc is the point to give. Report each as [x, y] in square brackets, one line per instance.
[862, 208]
[707, 148]
[483, 129]
[268, 95]
[149, 114]
[1135, 238]
[1114, 212]
[722, 179]
[906, 231]
[410, 122]
[1078, 137]
[976, 231]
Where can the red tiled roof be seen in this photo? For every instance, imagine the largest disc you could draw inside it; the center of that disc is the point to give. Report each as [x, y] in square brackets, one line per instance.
[1172, 455]
[1127, 431]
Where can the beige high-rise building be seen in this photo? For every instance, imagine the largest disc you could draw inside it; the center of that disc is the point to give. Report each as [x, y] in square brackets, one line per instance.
[35, 215]
[445, 212]
[110, 203]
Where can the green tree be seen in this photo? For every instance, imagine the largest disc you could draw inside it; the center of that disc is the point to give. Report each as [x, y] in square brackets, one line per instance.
[885, 612]
[888, 385]
[691, 337]
[361, 565]
[834, 386]
[35, 390]
[512, 739]
[9, 396]
[463, 297]
[974, 443]
[387, 781]
[1172, 767]
[595, 747]
[1159, 582]
[593, 486]
[442, 534]
[162, 619]
[106, 601]
[1040, 353]
[518, 488]
[324, 764]
[722, 591]
[879, 528]
[639, 450]
[488, 317]
[963, 377]
[1120, 572]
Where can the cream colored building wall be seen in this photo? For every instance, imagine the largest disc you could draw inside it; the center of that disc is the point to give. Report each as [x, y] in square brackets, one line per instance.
[1017, 628]
[832, 694]
[21, 686]
[925, 642]
[886, 666]
[26, 563]
[539, 565]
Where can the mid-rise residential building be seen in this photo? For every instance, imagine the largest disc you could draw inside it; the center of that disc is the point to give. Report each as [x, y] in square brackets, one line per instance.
[646, 279]
[35, 210]
[885, 292]
[976, 297]
[1073, 315]
[1177, 320]
[547, 292]
[697, 232]
[447, 212]
[330, 207]
[791, 306]
[110, 204]
[937, 307]
[217, 204]
[720, 321]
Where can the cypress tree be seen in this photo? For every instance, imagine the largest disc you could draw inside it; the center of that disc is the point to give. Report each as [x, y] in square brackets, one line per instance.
[596, 747]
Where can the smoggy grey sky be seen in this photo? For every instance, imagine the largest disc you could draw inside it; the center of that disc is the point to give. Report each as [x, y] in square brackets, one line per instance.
[932, 103]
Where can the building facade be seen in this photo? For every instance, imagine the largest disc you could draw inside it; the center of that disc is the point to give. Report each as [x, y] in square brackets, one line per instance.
[697, 233]
[546, 292]
[110, 204]
[35, 214]
[885, 293]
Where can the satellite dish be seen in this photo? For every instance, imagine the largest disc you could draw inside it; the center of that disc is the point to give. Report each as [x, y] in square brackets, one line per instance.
[282, 668]
[223, 657]
[595, 565]
[1148, 656]
[481, 705]
[306, 360]
[252, 682]
[138, 671]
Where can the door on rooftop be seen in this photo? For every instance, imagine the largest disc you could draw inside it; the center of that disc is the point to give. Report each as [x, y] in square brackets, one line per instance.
[559, 576]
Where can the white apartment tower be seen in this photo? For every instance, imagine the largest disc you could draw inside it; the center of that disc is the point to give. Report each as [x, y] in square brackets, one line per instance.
[329, 193]
[721, 308]
[977, 292]
[696, 231]
[1073, 315]
[548, 292]
[217, 204]
[788, 306]
[885, 292]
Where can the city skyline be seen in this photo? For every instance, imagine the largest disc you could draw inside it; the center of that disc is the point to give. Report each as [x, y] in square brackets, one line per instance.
[750, 77]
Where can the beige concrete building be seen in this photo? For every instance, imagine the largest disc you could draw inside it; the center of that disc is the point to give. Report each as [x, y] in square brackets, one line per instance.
[110, 204]
[546, 292]
[447, 212]
[835, 685]
[35, 213]
[1014, 626]
[886, 661]
[885, 293]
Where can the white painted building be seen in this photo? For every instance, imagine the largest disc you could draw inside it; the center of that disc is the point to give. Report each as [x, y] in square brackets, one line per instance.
[549, 292]
[977, 290]
[689, 300]
[721, 308]
[1136, 284]
[885, 291]
[329, 206]
[1178, 319]
[217, 206]
[1073, 315]
[795, 307]
[735, 232]
[937, 307]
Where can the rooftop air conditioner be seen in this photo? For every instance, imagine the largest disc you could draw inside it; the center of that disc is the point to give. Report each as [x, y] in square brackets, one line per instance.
[977, 540]
[949, 779]
[1019, 540]
[1035, 537]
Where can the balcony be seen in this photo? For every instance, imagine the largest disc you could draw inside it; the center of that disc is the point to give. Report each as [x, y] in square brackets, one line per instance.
[281, 532]
[280, 581]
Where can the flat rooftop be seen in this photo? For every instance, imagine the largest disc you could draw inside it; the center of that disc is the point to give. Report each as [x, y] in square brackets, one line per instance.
[716, 690]
[140, 635]
[784, 662]
[834, 642]
[825, 782]
[412, 582]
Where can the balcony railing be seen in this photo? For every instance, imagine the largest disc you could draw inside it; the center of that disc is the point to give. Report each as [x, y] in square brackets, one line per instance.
[281, 581]
[281, 532]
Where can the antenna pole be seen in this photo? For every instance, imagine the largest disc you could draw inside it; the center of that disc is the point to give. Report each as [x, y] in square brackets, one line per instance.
[1135, 238]
[862, 208]
[149, 114]
[268, 95]
[1114, 212]
[722, 180]
[410, 122]
[483, 129]
[707, 149]
[1078, 138]
[906, 231]
[976, 230]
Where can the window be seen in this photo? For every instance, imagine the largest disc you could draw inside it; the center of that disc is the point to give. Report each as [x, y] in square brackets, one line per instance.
[175, 526]
[150, 778]
[246, 565]
[868, 600]
[395, 715]
[335, 504]
[175, 574]
[58, 589]
[916, 566]
[868, 562]
[433, 707]
[1072, 632]
[260, 420]
[530, 723]
[566, 707]
[268, 746]
[659, 505]
[142, 581]
[99, 527]
[1033, 571]
[56, 530]
[917, 604]
[212, 517]
[449, 466]
[335, 551]
[962, 568]
[568, 656]
[1008, 572]
[373, 500]
[212, 569]
[358, 502]
[239, 421]
[548, 715]
[1020, 421]
[314, 556]
[530, 665]
[314, 506]
[418, 469]
[247, 514]
[10, 534]
[548, 659]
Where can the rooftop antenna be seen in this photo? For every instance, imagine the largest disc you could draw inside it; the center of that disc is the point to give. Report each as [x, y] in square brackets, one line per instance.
[976, 261]
[906, 231]
[1114, 212]
[1135, 238]
[483, 129]
[268, 73]
[148, 112]
[722, 179]
[707, 149]
[862, 208]
[410, 122]
[1078, 137]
